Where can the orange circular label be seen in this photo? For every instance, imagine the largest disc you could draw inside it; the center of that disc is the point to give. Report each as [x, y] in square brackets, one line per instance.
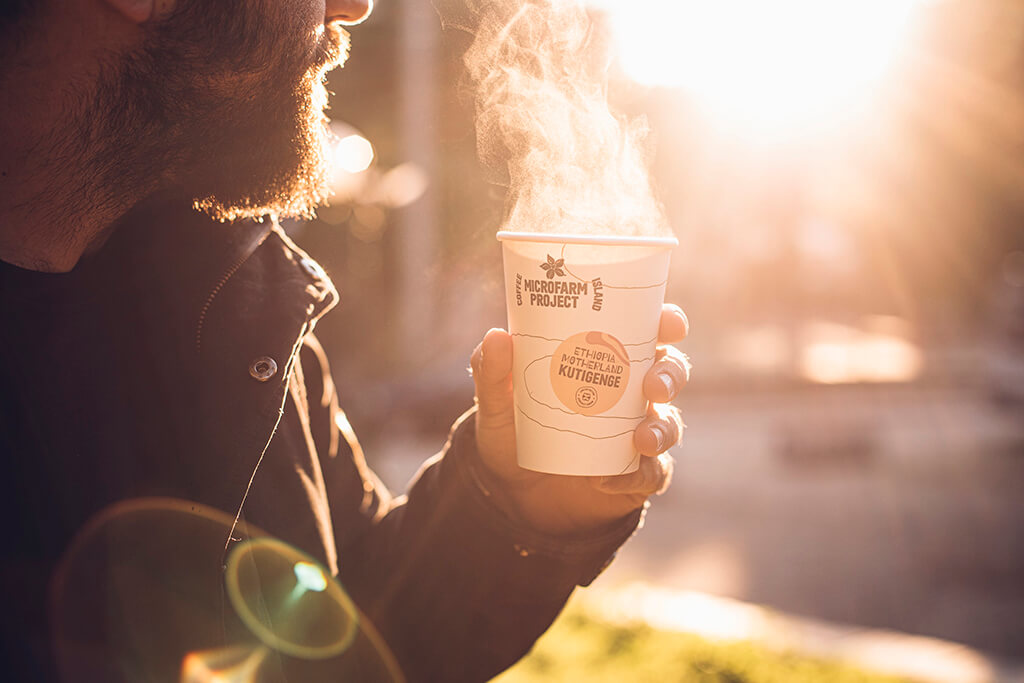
[589, 372]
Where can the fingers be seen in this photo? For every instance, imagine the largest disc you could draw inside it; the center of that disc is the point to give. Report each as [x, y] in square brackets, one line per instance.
[663, 426]
[671, 368]
[492, 358]
[491, 365]
[674, 325]
[653, 477]
[667, 376]
[660, 430]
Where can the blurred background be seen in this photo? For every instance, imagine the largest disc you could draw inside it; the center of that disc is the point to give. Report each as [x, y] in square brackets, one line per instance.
[846, 180]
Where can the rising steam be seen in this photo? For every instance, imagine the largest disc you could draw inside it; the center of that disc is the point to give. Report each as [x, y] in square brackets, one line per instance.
[540, 73]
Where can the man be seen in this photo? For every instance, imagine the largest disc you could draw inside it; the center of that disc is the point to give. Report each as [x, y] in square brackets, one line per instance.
[147, 350]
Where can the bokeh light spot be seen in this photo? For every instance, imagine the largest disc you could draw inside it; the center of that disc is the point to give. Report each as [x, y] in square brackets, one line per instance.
[353, 154]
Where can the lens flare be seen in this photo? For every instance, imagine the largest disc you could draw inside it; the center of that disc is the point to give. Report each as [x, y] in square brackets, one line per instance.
[238, 664]
[139, 595]
[310, 577]
[285, 599]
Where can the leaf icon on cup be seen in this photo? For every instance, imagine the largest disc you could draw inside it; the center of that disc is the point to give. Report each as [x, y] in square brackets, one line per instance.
[553, 267]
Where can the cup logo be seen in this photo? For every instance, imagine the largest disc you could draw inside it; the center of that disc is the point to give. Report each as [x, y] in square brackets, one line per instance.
[553, 267]
[589, 372]
[586, 397]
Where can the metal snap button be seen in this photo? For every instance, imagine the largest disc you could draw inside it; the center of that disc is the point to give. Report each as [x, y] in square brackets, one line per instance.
[263, 368]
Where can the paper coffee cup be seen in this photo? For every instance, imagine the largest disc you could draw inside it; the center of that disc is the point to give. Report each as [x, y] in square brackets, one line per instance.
[583, 312]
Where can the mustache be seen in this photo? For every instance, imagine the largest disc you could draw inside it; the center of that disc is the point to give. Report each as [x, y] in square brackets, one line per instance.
[331, 48]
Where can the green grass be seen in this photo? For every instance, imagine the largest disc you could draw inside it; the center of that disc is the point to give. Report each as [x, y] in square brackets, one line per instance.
[581, 648]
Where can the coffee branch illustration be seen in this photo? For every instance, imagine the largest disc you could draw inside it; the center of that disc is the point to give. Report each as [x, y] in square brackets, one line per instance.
[536, 336]
[561, 261]
[573, 431]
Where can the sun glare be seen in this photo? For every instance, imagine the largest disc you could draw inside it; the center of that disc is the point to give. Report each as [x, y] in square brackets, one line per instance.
[764, 68]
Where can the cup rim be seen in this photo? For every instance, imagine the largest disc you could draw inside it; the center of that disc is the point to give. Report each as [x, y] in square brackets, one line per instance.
[511, 236]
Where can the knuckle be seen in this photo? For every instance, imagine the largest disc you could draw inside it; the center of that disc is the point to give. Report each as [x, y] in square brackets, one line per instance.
[678, 426]
[672, 361]
[677, 371]
[685, 319]
[677, 358]
[671, 420]
[663, 412]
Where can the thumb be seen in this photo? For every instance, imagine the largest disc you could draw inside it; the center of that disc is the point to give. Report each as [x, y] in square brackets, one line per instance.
[491, 364]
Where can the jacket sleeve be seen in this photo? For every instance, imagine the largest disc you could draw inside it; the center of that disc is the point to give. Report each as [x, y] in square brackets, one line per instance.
[459, 591]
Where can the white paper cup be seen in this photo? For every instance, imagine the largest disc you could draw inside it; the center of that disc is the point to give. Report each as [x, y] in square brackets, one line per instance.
[583, 312]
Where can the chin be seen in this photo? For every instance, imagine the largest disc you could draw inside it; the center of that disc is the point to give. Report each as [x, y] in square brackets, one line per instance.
[278, 168]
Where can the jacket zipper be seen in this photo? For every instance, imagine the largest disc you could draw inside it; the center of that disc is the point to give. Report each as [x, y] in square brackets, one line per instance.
[213, 295]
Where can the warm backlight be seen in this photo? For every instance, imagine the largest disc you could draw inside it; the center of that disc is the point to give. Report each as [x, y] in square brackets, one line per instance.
[765, 68]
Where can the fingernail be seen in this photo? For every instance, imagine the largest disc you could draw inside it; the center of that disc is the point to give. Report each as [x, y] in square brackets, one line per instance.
[660, 434]
[668, 382]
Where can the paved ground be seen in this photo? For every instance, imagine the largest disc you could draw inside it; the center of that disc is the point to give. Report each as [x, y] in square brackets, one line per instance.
[888, 507]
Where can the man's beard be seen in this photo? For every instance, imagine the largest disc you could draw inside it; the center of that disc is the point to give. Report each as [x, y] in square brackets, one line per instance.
[224, 102]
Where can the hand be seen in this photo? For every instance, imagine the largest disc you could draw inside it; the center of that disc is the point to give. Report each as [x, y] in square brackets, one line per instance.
[567, 505]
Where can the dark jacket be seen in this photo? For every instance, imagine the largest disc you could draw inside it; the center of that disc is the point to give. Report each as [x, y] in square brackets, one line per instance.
[178, 361]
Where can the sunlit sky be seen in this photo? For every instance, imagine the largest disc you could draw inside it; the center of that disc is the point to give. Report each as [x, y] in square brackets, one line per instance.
[766, 69]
